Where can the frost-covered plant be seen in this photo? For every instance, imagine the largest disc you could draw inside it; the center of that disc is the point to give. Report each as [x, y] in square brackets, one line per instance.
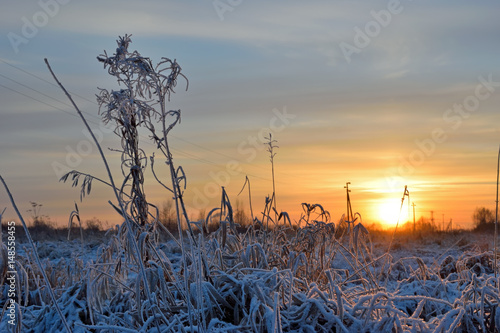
[133, 106]
[144, 87]
[130, 108]
[271, 146]
[142, 103]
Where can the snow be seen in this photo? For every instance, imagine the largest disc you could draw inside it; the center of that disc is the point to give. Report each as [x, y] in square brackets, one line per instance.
[437, 283]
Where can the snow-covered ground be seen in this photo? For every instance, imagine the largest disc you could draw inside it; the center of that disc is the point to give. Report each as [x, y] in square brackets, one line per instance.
[306, 281]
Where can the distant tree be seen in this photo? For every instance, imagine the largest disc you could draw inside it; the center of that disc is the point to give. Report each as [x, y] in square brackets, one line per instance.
[94, 224]
[167, 215]
[425, 226]
[483, 218]
[202, 215]
[239, 214]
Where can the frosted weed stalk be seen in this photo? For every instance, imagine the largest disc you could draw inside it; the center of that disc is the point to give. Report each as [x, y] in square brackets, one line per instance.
[271, 143]
[145, 87]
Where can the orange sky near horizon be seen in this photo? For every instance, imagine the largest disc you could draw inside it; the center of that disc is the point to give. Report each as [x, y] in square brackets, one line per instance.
[372, 197]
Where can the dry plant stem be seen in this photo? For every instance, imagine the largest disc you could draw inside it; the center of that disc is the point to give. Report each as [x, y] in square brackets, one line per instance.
[37, 258]
[175, 184]
[250, 199]
[274, 190]
[152, 159]
[271, 155]
[176, 190]
[108, 170]
[249, 195]
[395, 229]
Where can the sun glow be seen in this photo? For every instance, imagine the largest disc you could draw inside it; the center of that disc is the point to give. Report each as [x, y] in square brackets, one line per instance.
[388, 212]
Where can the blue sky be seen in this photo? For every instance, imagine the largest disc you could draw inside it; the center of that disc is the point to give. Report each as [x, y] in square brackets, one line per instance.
[356, 119]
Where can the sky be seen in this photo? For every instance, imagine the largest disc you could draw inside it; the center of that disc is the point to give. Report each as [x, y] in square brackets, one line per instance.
[381, 94]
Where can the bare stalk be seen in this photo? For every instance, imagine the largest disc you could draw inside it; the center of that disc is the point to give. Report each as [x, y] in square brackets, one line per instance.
[270, 149]
[405, 193]
[177, 197]
[249, 195]
[37, 258]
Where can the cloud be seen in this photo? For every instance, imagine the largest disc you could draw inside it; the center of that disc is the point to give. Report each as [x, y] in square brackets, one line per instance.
[397, 75]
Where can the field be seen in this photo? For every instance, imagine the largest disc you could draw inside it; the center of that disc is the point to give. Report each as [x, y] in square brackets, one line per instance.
[313, 274]
[311, 279]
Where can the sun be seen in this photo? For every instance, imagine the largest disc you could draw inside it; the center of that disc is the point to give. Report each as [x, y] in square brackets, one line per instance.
[388, 212]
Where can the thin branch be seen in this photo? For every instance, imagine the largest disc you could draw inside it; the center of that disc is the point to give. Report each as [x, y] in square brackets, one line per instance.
[37, 258]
